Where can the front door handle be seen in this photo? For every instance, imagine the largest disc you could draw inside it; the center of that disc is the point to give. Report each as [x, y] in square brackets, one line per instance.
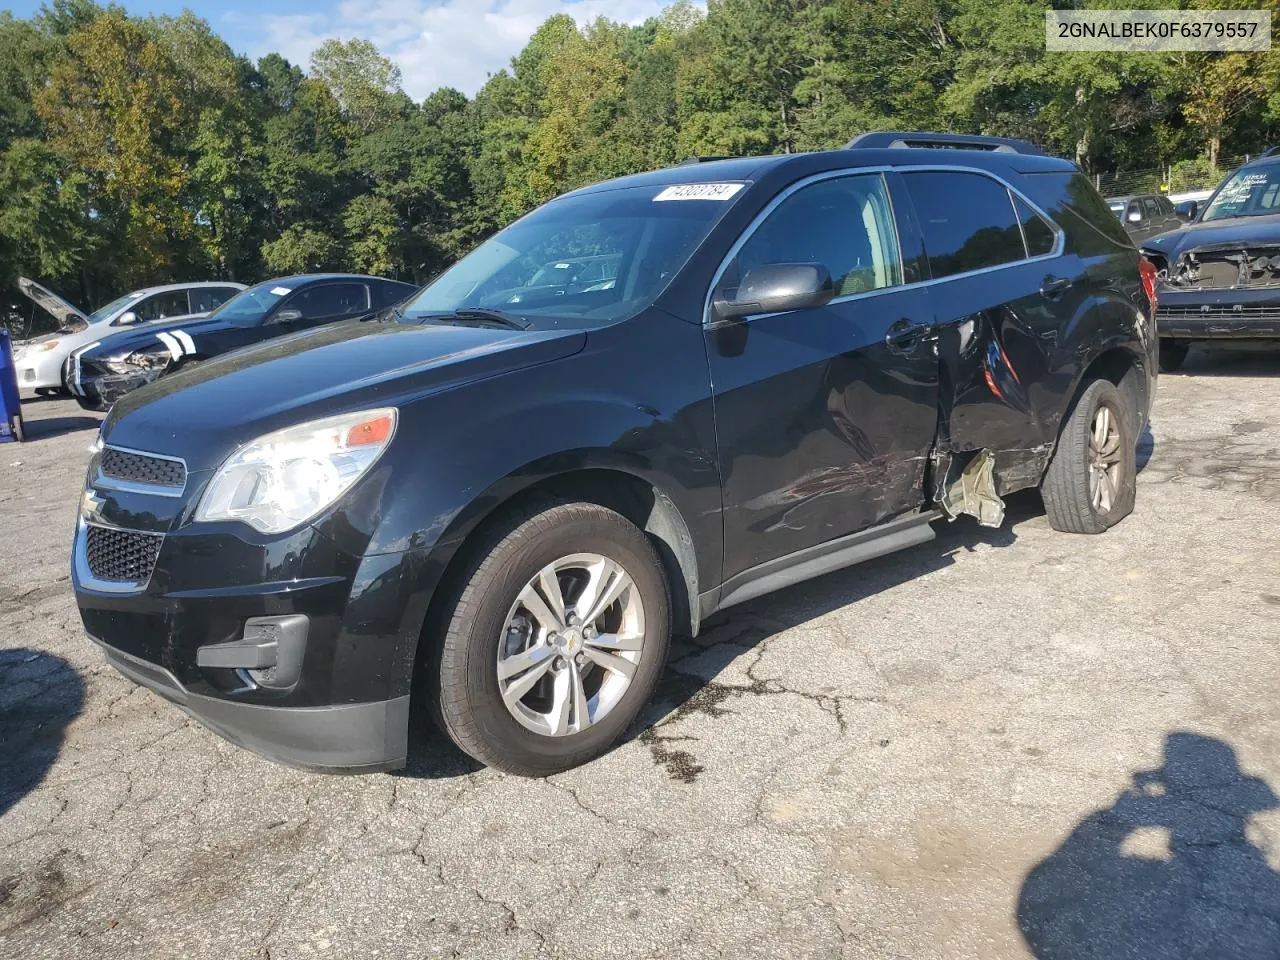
[903, 335]
[1054, 287]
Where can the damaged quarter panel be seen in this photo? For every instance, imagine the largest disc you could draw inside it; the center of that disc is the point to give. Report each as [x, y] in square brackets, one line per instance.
[1010, 359]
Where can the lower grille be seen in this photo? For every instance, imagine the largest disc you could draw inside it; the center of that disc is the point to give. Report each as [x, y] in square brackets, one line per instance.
[1219, 312]
[121, 556]
[142, 468]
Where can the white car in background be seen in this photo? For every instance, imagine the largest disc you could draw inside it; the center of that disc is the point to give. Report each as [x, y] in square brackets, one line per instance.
[39, 360]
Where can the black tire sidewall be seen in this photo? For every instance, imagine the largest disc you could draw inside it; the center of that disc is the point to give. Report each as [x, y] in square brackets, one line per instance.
[471, 646]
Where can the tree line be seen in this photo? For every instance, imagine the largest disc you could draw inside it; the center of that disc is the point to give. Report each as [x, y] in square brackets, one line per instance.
[140, 150]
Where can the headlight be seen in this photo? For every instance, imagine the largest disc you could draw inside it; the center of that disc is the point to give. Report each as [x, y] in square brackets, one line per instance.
[138, 362]
[282, 480]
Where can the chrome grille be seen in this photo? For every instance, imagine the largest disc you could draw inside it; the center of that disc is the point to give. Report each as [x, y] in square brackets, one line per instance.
[142, 468]
[121, 556]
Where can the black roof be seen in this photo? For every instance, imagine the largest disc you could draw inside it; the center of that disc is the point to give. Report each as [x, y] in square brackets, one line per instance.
[298, 279]
[753, 168]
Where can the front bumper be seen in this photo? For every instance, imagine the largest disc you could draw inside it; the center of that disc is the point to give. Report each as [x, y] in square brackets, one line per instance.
[338, 738]
[1219, 314]
[39, 369]
[175, 607]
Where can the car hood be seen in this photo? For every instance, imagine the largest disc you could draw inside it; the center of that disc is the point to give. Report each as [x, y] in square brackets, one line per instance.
[60, 309]
[139, 336]
[1235, 232]
[203, 413]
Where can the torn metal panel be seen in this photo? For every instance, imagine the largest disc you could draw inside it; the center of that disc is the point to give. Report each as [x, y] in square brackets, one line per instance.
[974, 493]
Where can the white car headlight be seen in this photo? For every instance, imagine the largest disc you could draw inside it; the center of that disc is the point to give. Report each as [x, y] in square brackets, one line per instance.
[283, 479]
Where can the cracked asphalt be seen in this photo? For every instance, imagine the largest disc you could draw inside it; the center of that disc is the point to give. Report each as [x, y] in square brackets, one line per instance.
[1003, 744]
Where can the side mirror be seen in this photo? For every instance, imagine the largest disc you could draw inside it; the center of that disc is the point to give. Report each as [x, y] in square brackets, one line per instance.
[1187, 209]
[288, 315]
[126, 319]
[1135, 216]
[776, 288]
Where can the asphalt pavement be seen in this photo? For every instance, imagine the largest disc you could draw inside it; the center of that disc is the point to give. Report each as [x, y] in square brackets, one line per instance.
[1003, 744]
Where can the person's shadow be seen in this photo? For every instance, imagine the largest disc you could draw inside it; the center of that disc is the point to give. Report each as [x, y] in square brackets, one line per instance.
[1166, 873]
[39, 695]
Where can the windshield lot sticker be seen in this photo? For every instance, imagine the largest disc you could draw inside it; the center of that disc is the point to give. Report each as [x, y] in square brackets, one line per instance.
[279, 291]
[699, 191]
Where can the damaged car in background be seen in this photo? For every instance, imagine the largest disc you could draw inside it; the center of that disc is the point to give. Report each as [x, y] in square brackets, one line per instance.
[39, 360]
[498, 511]
[100, 373]
[1219, 276]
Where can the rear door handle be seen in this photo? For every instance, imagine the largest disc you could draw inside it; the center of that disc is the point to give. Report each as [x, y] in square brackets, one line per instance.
[1054, 287]
[903, 335]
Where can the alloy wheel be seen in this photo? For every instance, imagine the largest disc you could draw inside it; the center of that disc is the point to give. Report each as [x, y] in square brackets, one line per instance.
[570, 645]
[1106, 465]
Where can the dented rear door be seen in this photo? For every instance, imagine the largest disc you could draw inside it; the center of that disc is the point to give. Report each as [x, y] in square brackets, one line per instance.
[999, 308]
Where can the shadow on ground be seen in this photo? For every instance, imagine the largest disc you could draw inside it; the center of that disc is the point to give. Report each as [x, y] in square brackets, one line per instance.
[40, 429]
[1167, 872]
[1251, 359]
[39, 695]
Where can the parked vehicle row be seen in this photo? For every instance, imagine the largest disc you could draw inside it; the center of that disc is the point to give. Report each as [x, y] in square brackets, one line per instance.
[646, 401]
[40, 360]
[101, 372]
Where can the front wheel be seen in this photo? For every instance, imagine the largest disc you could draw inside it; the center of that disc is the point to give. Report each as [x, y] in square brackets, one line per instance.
[556, 641]
[1091, 482]
[1172, 354]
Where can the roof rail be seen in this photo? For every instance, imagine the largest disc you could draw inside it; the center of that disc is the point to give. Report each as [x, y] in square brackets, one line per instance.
[1269, 152]
[688, 160]
[881, 139]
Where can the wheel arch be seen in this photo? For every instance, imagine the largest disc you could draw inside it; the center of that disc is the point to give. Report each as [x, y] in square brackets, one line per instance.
[1122, 366]
[594, 479]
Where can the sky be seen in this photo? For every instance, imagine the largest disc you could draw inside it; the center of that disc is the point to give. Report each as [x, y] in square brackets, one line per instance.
[436, 43]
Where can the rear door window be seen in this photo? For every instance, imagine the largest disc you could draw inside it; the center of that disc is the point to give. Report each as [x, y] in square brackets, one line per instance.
[1041, 238]
[162, 306]
[967, 220]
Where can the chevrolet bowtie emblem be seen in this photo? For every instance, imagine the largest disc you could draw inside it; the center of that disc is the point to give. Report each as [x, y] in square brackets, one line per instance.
[91, 504]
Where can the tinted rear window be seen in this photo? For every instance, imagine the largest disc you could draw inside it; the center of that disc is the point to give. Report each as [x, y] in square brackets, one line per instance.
[967, 220]
[1075, 206]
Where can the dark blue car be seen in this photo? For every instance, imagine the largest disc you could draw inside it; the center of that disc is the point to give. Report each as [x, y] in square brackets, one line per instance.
[101, 372]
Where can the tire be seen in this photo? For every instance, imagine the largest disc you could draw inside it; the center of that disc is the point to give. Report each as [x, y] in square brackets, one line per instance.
[488, 621]
[1172, 354]
[1068, 489]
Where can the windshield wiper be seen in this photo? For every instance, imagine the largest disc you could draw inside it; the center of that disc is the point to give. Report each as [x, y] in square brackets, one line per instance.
[498, 316]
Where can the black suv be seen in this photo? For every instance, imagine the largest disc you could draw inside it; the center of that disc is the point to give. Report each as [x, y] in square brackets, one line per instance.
[1220, 274]
[503, 508]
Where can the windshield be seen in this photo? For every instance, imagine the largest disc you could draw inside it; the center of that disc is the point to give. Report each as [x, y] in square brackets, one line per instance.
[1247, 193]
[248, 307]
[113, 307]
[598, 257]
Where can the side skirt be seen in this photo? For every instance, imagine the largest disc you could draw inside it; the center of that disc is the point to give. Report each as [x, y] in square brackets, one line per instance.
[896, 534]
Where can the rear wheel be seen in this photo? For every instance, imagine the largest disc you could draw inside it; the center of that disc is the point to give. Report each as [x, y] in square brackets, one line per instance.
[556, 641]
[1091, 481]
[1172, 354]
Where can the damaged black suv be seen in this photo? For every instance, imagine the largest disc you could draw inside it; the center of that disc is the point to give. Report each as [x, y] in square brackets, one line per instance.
[499, 501]
[1219, 276]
